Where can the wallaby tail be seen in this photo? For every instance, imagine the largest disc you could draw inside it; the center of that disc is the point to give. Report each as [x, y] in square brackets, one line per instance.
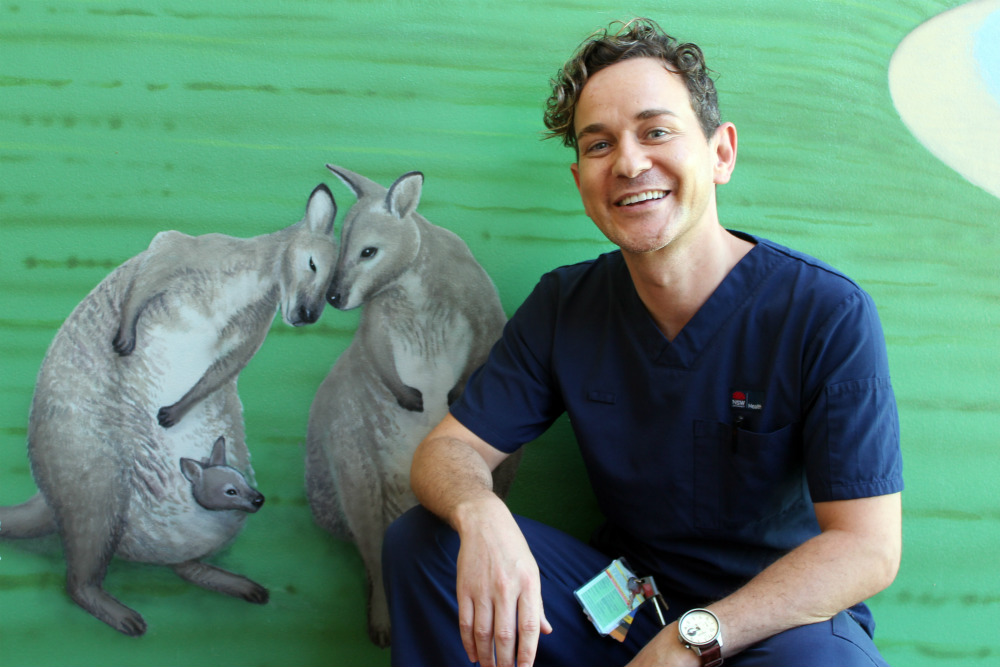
[33, 518]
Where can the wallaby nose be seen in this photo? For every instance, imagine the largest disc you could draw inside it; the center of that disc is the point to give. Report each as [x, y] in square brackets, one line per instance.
[334, 299]
[258, 501]
[307, 315]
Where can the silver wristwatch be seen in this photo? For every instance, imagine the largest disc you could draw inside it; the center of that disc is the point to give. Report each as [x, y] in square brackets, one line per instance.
[700, 631]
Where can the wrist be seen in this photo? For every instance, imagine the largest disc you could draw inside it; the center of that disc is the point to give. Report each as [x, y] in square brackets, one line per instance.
[474, 514]
[700, 631]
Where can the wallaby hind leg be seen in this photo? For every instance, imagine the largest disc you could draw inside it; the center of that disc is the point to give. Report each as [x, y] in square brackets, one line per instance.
[33, 518]
[364, 502]
[222, 581]
[321, 490]
[90, 543]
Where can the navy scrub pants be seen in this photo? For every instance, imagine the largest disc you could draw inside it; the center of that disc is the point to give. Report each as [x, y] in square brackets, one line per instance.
[419, 556]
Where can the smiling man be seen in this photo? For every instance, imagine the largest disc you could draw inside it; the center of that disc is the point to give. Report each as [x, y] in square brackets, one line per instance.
[730, 397]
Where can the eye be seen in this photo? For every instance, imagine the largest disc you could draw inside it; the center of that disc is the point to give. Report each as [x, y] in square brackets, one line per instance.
[658, 133]
[596, 147]
[231, 492]
[312, 265]
[368, 253]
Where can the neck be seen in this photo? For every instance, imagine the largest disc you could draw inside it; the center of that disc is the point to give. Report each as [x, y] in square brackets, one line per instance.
[676, 281]
[267, 250]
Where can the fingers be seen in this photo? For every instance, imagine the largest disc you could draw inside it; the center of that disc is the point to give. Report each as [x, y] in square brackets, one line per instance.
[494, 636]
[505, 636]
[531, 622]
[466, 627]
[487, 636]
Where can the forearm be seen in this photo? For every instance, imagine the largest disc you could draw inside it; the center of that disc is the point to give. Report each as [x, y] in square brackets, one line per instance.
[853, 558]
[447, 476]
[833, 571]
[498, 588]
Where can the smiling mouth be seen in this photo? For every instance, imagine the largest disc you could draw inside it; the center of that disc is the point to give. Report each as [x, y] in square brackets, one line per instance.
[640, 197]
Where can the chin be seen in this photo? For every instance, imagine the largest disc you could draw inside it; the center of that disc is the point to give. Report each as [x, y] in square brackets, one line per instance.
[640, 246]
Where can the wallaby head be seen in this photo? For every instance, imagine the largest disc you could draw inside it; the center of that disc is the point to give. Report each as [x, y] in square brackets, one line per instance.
[380, 237]
[216, 486]
[309, 259]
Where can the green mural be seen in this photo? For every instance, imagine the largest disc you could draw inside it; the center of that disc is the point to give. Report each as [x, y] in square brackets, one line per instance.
[120, 119]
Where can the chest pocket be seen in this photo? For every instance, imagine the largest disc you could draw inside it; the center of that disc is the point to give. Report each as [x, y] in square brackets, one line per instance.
[744, 478]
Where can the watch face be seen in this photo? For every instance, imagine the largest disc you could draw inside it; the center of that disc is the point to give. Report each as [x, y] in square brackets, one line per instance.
[699, 627]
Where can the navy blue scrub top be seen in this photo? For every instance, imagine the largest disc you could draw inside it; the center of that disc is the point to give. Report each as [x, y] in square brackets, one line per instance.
[706, 452]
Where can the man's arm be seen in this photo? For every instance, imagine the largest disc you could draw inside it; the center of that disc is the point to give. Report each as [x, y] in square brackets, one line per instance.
[498, 587]
[855, 556]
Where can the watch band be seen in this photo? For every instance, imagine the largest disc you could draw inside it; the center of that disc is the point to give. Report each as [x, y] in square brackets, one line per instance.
[711, 656]
[709, 652]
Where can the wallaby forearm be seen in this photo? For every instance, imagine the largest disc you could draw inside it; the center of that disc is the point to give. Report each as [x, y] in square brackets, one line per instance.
[377, 342]
[222, 371]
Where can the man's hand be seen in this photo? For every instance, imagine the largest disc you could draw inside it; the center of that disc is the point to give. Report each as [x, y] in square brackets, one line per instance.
[499, 591]
[498, 587]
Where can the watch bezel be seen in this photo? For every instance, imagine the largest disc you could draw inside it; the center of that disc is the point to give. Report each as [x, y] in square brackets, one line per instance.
[716, 638]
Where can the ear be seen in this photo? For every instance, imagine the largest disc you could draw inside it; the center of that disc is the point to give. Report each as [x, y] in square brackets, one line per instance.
[192, 470]
[358, 184]
[725, 153]
[575, 168]
[404, 195]
[321, 210]
[218, 453]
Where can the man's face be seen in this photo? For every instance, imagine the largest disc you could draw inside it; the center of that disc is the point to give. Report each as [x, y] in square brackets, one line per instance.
[645, 171]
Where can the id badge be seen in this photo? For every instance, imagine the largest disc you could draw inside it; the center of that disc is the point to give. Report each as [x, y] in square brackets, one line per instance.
[611, 598]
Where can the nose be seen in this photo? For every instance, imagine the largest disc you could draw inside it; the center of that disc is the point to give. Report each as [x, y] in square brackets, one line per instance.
[258, 500]
[334, 299]
[630, 160]
[308, 315]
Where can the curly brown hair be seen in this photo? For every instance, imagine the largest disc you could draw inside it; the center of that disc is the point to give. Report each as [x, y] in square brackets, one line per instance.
[639, 38]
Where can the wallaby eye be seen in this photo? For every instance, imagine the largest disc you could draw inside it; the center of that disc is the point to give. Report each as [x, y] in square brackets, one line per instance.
[312, 265]
[368, 253]
[231, 492]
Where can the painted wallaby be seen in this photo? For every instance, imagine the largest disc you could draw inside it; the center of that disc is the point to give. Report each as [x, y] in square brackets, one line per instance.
[430, 316]
[160, 342]
[217, 486]
[264, 273]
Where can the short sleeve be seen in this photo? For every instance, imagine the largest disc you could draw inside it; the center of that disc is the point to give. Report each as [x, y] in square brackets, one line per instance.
[510, 399]
[852, 426]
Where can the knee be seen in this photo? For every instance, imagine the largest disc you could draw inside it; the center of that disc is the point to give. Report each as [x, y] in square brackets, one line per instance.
[840, 642]
[413, 537]
[411, 527]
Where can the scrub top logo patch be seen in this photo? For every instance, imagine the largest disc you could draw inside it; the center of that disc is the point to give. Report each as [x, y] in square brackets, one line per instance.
[747, 400]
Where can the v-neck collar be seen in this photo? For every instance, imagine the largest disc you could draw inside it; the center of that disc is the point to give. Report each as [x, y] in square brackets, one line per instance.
[734, 290]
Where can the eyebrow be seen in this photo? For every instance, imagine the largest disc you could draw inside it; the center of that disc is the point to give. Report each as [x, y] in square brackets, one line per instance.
[596, 128]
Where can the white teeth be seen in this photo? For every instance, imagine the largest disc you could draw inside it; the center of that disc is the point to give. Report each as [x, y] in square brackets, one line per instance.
[643, 196]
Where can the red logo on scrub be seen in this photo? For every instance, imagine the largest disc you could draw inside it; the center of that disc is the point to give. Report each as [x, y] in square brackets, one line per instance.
[746, 400]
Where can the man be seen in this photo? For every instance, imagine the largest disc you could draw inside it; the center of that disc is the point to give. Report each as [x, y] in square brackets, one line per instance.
[730, 397]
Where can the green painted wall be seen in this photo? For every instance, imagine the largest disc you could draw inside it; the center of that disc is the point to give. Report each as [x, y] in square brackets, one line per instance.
[121, 118]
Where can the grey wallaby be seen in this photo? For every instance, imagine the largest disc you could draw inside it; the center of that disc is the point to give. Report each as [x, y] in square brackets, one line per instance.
[160, 343]
[431, 315]
[217, 486]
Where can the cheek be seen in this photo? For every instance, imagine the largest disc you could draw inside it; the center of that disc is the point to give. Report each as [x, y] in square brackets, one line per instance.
[588, 190]
[679, 156]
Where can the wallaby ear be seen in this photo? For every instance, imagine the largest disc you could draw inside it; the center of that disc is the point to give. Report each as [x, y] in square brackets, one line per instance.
[404, 195]
[358, 184]
[192, 470]
[218, 457]
[321, 210]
